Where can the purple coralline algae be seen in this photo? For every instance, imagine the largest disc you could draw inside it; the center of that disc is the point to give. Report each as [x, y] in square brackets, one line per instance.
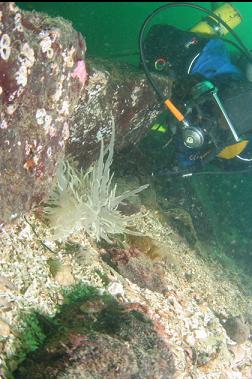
[42, 75]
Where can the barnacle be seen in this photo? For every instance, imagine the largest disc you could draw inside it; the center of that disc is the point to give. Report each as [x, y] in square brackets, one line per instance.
[88, 201]
[5, 47]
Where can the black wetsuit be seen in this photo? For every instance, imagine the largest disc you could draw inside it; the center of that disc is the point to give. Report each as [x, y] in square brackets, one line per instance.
[190, 58]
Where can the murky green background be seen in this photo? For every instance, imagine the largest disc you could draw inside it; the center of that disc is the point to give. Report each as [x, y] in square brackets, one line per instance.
[111, 30]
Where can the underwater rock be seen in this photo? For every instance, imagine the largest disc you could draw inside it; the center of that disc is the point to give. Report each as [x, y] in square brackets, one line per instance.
[115, 289]
[182, 221]
[64, 276]
[237, 329]
[87, 357]
[136, 265]
[61, 273]
[118, 90]
[145, 273]
[113, 341]
[43, 103]
[42, 75]
[4, 329]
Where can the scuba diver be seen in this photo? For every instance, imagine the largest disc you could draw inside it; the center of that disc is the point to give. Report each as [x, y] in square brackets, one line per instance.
[210, 114]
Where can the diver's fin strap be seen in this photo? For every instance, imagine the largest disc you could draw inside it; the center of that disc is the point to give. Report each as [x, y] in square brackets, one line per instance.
[232, 151]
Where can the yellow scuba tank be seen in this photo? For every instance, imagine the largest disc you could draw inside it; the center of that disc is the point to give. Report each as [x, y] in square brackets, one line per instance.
[211, 26]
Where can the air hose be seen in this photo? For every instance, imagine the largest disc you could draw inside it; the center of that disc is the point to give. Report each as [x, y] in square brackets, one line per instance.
[168, 103]
[240, 46]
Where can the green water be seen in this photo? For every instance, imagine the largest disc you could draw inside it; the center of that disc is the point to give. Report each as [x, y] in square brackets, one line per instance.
[111, 30]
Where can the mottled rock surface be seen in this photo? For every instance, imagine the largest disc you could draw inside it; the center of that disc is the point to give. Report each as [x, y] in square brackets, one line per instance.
[185, 318]
[114, 90]
[134, 265]
[43, 101]
[237, 329]
[42, 74]
[103, 340]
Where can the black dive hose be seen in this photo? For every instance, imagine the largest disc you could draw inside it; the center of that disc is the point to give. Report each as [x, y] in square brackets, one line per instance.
[189, 173]
[240, 45]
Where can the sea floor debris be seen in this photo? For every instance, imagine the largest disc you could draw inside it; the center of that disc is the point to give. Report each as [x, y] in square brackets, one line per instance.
[196, 297]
